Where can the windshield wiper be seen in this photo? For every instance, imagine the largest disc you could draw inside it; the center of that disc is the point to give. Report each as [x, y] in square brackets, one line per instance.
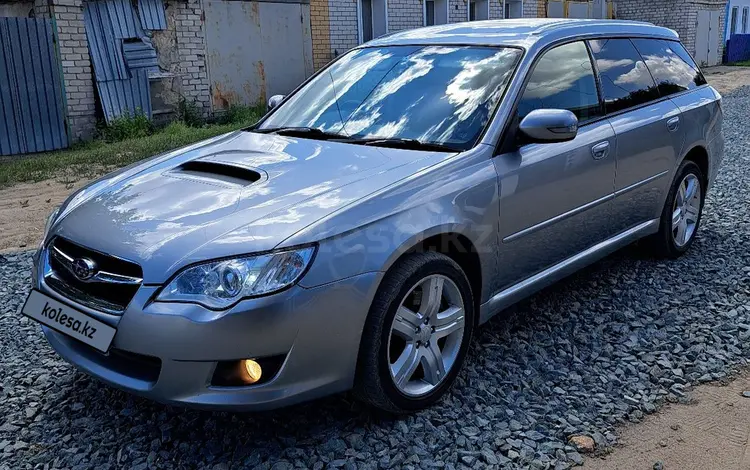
[315, 133]
[312, 132]
[408, 144]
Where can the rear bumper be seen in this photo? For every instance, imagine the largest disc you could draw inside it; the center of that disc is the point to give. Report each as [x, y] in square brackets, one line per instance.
[317, 330]
[716, 154]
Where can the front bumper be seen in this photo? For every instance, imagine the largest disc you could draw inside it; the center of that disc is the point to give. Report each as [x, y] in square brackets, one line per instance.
[318, 330]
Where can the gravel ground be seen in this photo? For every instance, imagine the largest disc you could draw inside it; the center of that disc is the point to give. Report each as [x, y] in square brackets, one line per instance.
[607, 345]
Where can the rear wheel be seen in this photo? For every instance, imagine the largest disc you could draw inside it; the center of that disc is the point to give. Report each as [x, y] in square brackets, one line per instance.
[417, 334]
[682, 211]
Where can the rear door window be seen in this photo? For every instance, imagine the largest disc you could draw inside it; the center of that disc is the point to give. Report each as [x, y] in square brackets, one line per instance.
[625, 80]
[563, 78]
[670, 71]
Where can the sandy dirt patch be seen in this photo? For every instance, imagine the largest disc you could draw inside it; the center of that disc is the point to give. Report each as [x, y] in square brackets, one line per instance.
[712, 433]
[24, 209]
[726, 79]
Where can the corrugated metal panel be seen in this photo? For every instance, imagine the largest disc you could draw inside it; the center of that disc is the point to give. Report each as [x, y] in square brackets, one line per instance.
[31, 93]
[738, 48]
[141, 55]
[11, 127]
[120, 15]
[152, 14]
[106, 51]
[121, 96]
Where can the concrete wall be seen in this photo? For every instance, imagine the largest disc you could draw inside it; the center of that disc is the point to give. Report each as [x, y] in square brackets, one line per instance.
[23, 9]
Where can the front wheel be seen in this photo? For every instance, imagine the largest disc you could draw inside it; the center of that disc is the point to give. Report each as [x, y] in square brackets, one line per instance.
[682, 211]
[417, 334]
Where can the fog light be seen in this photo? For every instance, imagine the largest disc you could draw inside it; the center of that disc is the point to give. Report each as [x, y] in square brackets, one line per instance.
[252, 370]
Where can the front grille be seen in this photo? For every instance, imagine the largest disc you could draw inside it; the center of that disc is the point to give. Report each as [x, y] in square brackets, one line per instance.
[112, 283]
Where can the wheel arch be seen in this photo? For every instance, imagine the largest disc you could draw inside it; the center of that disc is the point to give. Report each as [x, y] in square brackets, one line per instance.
[453, 244]
[698, 154]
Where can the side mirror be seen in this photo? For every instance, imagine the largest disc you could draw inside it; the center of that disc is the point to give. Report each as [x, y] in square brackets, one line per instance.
[274, 101]
[549, 125]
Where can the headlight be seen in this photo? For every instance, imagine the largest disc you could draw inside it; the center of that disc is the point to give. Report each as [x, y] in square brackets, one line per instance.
[220, 284]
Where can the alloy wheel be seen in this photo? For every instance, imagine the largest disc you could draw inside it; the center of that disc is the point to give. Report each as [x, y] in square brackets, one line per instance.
[686, 209]
[426, 335]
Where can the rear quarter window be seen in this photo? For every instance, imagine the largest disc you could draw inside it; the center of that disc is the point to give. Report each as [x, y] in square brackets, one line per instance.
[669, 69]
[625, 79]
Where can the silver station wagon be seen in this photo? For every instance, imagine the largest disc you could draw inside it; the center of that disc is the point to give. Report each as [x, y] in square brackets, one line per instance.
[357, 236]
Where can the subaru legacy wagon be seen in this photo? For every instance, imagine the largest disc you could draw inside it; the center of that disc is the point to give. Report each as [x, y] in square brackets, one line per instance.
[361, 231]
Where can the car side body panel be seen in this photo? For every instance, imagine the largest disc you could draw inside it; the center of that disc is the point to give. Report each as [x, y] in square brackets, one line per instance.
[646, 155]
[701, 120]
[457, 196]
[556, 196]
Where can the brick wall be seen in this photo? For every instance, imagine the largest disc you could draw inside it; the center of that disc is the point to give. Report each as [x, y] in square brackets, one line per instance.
[680, 15]
[534, 9]
[344, 25]
[457, 11]
[496, 9]
[405, 14]
[76, 66]
[320, 27]
[677, 15]
[722, 28]
[185, 23]
[42, 9]
[191, 51]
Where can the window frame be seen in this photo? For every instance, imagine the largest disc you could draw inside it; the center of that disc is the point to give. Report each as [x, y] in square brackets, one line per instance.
[733, 19]
[507, 138]
[656, 85]
[593, 71]
[745, 14]
[522, 52]
[693, 65]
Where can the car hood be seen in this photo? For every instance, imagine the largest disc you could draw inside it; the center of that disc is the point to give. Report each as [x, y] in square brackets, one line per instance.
[235, 194]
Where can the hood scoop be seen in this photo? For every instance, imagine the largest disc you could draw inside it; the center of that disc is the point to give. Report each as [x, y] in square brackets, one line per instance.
[211, 171]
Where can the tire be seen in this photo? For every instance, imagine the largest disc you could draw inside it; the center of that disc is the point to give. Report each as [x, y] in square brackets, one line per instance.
[668, 243]
[380, 353]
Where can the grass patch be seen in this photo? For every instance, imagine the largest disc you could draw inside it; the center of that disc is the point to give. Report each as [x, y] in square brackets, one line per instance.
[130, 143]
[126, 127]
[742, 63]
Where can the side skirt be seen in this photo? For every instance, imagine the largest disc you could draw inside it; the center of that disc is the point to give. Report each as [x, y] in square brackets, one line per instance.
[525, 288]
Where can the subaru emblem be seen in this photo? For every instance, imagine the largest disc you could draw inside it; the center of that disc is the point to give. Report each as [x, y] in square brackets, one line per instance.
[83, 268]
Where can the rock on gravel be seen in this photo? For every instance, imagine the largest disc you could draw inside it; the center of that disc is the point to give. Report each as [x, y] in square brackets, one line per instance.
[599, 349]
[583, 443]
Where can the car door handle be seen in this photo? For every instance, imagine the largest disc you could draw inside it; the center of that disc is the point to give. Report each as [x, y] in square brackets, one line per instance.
[673, 124]
[600, 150]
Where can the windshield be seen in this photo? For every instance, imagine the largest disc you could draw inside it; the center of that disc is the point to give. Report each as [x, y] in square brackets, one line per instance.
[434, 94]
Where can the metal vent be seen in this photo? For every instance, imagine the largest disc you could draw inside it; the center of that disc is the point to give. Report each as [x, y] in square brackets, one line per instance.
[220, 171]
